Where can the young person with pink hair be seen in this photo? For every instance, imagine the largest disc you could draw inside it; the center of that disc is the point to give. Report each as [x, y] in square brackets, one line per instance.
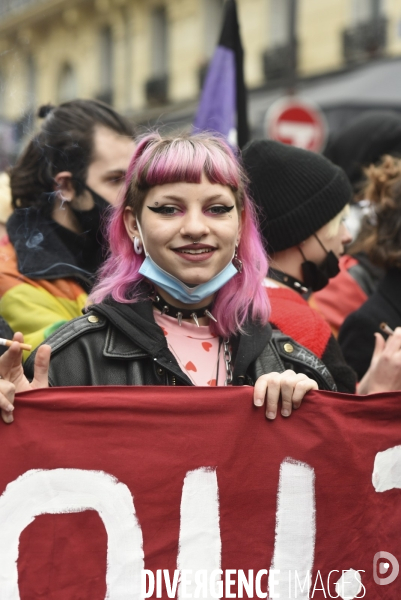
[180, 300]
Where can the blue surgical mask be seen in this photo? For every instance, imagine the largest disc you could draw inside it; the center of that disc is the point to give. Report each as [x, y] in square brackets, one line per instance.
[179, 290]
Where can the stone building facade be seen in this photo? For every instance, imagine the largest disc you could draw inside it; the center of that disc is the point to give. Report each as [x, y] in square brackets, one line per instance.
[148, 57]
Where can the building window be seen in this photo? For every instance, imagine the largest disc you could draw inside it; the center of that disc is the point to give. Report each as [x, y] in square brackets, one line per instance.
[67, 84]
[280, 59]
[279, 34]
[128, 56]
[212, 22]
[31, 84]
[2, 94]
[364, 11]
[367, 36]
[157, 84]
[212, 14]
[159, 50]
[106, 56]
[25, 125]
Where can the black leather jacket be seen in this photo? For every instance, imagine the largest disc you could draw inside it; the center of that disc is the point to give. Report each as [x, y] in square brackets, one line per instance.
[121, 344]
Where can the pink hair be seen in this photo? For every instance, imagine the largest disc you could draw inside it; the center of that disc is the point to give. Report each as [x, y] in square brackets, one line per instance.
[158, 161]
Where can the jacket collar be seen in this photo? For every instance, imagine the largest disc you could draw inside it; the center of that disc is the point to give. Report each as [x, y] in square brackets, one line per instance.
[247, 347]
[136, 322]
[40, 252]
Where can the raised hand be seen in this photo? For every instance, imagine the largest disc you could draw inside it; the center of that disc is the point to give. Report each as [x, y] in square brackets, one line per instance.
[12, 377]
[384, 373]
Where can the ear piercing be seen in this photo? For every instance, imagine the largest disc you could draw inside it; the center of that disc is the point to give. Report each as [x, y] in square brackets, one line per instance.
[237, 262]
[138, 247]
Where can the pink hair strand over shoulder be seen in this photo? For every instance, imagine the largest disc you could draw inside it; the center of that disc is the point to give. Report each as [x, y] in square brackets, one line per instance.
[159, 161]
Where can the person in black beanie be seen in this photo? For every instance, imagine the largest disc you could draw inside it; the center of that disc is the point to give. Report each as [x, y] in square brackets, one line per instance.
[303, 200]
[300, 193]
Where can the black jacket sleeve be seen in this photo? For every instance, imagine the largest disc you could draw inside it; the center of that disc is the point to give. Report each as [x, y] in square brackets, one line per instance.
[342, 373]
[357, 341]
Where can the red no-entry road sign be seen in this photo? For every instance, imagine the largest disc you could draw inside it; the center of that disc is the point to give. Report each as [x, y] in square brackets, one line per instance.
[298, 123]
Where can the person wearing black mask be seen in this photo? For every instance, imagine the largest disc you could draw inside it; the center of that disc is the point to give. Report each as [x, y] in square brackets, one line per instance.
[303, 201]
[62, 186]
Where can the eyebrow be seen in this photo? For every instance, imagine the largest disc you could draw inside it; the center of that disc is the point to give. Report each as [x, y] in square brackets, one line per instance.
[180, 198]
[117, 172]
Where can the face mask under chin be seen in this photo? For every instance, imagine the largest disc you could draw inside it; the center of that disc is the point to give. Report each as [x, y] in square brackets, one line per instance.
[185, 293]
[316, 277]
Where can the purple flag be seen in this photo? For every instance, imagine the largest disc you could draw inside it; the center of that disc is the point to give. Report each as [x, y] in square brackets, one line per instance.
[222, 107]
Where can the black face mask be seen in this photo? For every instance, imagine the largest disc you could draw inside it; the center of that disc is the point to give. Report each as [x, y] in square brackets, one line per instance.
[316, 277]
[91, 220]
[90, 249]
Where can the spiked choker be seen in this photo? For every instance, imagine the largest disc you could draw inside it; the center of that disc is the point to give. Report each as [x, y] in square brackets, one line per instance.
[181, 313]
[287, 280]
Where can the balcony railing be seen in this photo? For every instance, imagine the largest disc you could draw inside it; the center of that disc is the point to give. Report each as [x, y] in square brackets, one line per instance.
[10, 7]
[106, 96]
[156, 90]
[280, 62]
[365, 40]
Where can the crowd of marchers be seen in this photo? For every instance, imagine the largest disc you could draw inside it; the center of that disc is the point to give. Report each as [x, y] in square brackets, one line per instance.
[176, 260]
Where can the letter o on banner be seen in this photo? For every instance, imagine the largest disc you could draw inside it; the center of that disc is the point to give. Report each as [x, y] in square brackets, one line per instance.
[58, 491]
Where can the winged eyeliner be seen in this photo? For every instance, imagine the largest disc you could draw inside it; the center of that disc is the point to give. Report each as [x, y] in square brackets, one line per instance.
[160, 209]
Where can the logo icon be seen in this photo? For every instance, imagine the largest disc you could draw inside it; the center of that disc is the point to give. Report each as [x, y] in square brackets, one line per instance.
[381, 568]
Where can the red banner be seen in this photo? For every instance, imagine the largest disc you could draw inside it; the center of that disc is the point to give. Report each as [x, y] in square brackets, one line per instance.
[126, 493]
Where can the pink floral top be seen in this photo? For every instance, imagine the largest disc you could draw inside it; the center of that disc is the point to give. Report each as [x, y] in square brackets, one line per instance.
[196, 350]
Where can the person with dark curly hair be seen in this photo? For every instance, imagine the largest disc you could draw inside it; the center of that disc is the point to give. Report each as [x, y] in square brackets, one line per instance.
[360, 335]
[68, 175]
[357, 145]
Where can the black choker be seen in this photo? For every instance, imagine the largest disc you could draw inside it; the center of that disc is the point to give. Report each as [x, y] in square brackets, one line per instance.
[181, 313]
[291, 282]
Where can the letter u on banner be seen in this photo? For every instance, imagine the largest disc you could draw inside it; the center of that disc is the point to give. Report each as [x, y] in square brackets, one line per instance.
[59, 491]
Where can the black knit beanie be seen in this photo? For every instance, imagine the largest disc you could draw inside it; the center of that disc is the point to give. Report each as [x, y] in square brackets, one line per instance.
[364, 141]
[297, 191]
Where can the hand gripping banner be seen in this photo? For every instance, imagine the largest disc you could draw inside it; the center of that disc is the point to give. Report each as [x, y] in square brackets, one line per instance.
[127, 493]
